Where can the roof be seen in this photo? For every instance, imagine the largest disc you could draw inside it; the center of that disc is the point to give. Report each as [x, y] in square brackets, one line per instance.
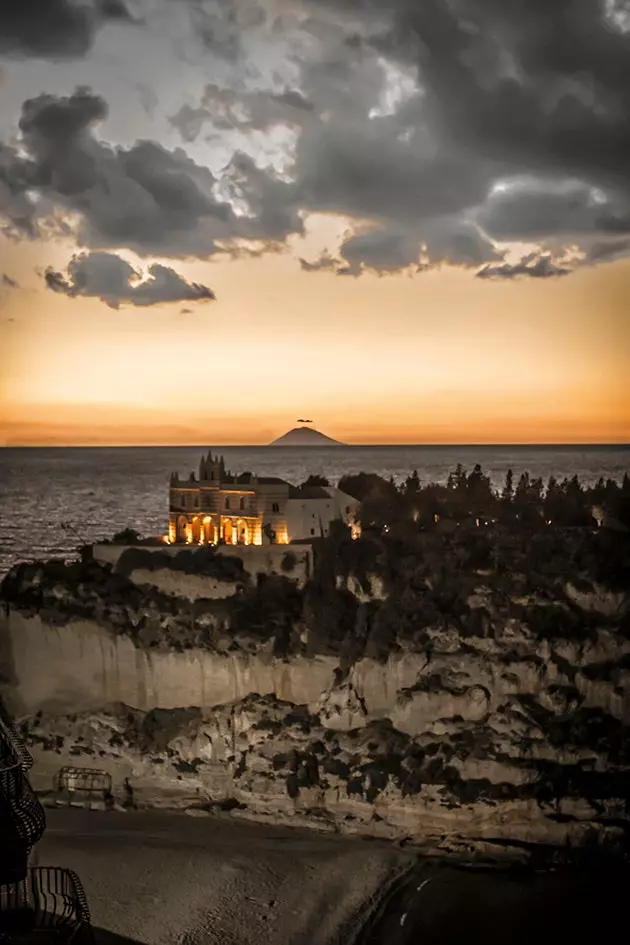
[272, 481]
[308, 492]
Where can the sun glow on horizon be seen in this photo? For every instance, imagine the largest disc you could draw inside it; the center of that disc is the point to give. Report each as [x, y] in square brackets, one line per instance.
[439, 358]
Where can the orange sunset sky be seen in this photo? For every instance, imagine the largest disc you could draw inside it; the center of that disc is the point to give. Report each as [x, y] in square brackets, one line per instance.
[438, 357]
[404, 345]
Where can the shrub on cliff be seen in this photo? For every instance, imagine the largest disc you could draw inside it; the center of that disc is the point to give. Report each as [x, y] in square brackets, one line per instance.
[288, 563]
[202, 561]
[330, 615]
[209, 562]
[128, 536]
[272, 608]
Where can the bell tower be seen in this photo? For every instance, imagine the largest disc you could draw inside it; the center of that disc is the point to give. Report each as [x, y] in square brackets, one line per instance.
[211, 469]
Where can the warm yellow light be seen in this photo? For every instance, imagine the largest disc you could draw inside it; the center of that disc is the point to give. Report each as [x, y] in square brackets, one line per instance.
[282, 535]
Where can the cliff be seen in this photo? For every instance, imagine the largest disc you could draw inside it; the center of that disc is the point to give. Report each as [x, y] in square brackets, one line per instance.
[471, 695]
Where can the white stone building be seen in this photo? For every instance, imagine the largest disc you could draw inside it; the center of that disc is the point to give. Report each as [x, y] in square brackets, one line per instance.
[216, 507]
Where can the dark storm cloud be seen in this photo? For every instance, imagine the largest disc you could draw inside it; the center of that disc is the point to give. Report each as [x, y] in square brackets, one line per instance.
[535, 266]
[226, 110]
[534, 209]
[114, 10]
[145, 197]
[607, 252]
[110, 278]
[408, 113]
[382, 250]
[543, 86]
[511, 90]
[54, 29]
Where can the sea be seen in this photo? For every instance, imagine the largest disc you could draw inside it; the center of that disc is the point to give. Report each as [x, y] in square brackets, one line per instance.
[53, 499]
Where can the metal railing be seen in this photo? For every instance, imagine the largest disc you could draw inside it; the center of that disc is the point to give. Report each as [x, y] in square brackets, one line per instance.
[21, 814]
[12, 779]
[49, 900]
[9, 733]
[86, 781]
[23, 818]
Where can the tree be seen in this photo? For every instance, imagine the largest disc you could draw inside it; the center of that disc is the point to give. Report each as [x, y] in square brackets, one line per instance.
[315, 480]
[536, 489]
[479, 490]
[360, 485]
[457, 479]
[508, 488]
[412, 484]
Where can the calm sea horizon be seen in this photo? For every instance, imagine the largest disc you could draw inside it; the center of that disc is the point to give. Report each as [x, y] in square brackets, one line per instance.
[98, 490]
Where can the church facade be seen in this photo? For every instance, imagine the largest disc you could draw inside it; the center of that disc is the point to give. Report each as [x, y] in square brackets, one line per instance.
[215, 507]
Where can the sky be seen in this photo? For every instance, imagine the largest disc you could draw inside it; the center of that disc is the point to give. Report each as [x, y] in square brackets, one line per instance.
[408, 220]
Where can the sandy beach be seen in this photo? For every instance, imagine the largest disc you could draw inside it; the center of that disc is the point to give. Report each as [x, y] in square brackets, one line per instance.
[161, 878]
[157, 879]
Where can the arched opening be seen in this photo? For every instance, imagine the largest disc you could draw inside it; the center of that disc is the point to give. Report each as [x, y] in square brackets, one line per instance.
[228, 531]
[181, 528]
[242, 529]
[196, 530]
[207, 531]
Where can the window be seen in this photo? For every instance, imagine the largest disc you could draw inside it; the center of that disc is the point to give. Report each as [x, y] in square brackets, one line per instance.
[275, 507]
[243, 503]
[312, 531]
[196, 501]
[347, 510]
[227, 502]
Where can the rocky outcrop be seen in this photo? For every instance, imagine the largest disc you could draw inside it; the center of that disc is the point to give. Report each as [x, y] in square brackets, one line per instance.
[480, 708]
[487, 786]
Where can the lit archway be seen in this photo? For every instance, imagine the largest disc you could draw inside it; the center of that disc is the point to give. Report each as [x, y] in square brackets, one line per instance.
[207, 531]
[196, 530]
[181, 529]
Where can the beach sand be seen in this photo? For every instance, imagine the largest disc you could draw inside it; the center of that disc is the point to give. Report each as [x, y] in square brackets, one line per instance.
[161, 878]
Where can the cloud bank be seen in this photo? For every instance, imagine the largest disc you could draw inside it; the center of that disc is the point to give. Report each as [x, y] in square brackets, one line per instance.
[442, 131]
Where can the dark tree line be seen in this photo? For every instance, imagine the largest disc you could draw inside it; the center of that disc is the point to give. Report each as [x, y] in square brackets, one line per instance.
[469, 497]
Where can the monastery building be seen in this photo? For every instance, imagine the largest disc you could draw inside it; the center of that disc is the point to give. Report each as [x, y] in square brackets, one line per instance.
[216, 507]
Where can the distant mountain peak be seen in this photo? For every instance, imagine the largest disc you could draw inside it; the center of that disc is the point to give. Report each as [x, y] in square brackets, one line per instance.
[305, 436]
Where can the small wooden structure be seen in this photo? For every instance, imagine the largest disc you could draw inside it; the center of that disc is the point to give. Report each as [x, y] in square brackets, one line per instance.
[48, 905]
[83, 784]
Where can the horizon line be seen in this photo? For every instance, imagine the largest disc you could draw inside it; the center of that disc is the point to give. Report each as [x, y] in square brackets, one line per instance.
[315, 448]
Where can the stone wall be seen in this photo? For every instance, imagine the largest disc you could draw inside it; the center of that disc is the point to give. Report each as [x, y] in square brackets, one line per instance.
[257, 559]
